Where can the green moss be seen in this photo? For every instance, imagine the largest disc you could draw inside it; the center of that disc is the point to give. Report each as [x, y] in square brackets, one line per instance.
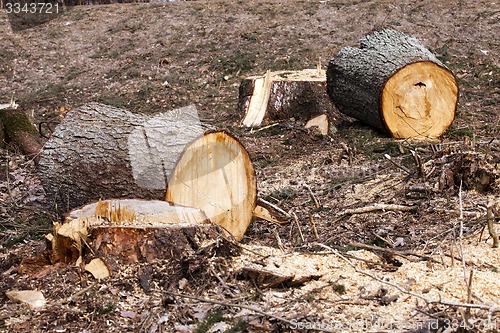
[35, 228]
[211, 319]
[238, 326]
[15, 121]
[107, 308]
[236, 62]
[339, 288]
[284, 194]
[116, 101]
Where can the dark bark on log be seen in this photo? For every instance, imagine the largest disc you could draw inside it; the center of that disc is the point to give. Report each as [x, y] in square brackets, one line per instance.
[357, 79]
[17, 129]
[100, 151]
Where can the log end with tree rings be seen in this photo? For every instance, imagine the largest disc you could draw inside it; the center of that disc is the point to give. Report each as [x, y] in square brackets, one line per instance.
[215, 174]
[419, 101]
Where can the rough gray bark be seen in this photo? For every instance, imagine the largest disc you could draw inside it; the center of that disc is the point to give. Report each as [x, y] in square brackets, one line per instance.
[104, 152]
[356, 76]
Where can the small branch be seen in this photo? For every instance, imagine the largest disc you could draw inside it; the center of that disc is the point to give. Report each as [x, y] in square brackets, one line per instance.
[313, 197]
[418, 163]
[461, 238]
[402, 254]
[469, 290]
[72, 297]
[490, 216]
[222, 282]
[296, 219]
[265, 127]
[397, 164]
[376, 206]
[243, 306]
[265, 202]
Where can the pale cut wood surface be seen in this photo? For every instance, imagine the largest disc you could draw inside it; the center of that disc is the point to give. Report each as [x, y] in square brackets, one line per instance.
[216, 175]
[419, 101]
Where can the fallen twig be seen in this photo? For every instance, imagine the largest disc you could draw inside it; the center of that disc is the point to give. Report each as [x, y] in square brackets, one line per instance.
[265, 202]
[296, 219]
[403, 254]
[72, 297]
[377, 206]
[397, 164]
[313, 197]
[222, 282]
[313, 226]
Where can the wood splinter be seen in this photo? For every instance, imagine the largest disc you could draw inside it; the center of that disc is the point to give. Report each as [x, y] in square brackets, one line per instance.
[493, 212]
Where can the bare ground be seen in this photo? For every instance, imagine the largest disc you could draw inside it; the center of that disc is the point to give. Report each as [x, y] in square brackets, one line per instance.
[154, 57]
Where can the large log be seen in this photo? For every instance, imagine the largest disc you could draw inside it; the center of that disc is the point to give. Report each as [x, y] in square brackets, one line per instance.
[99, 151]
[131, 230]
[392, 82]
[283, 95]
[216, 175]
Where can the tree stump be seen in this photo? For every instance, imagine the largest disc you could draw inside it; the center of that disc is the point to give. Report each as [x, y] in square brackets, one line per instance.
[99, 151]
[283, 95]
[393, 83]
[132, 230]
[215, 174]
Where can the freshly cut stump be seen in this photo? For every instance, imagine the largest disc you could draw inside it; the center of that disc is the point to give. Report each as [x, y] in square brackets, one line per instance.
[215, 174]
[283, 95]
[392, 82]
[320, 122]
[132, 230]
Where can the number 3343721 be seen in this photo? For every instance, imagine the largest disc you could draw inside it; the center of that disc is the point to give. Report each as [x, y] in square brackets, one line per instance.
[32, 8]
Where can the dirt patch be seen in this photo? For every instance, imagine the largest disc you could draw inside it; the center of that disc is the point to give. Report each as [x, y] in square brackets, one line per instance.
[154, 57]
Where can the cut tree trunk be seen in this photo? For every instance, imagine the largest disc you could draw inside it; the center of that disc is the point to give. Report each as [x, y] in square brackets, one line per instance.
[132, 230]
[215, 174]
[283, 95]
[17, 129]
[99, 151]
[392, 82]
